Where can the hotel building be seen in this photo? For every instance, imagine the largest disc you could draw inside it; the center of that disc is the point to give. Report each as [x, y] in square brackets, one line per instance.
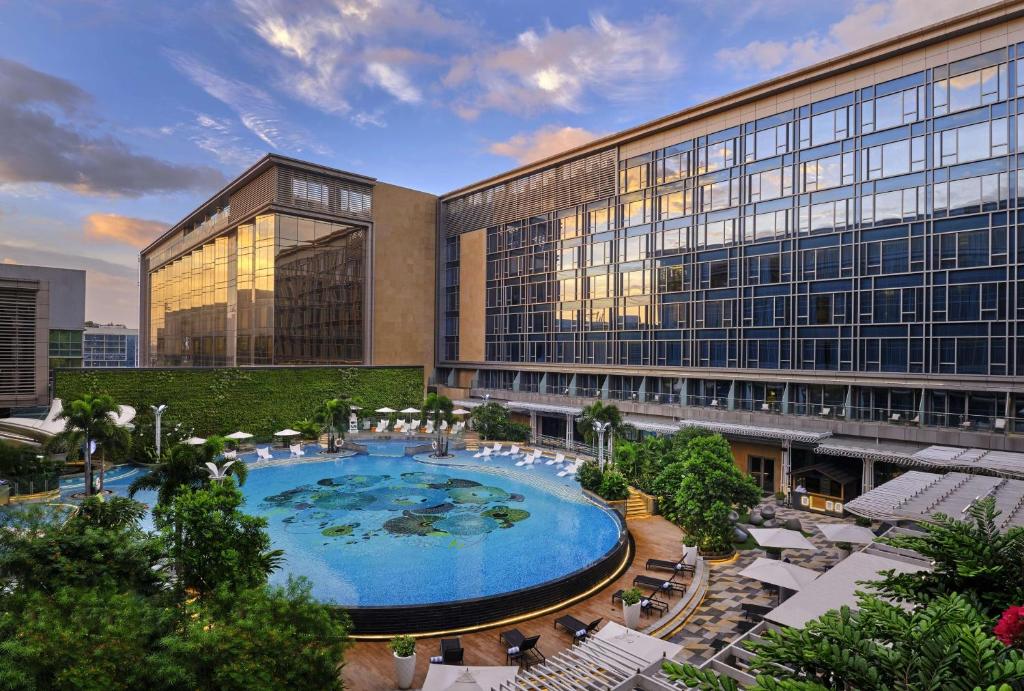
[827, 267]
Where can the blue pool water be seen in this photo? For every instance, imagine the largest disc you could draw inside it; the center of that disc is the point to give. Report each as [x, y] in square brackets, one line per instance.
[385, 529]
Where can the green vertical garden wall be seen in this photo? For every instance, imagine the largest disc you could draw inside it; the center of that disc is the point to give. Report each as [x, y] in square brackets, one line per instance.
[257, 400]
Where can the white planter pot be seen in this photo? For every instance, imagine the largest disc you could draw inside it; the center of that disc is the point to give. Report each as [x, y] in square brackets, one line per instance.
[631, 615]
[842, 553]
[405, 668]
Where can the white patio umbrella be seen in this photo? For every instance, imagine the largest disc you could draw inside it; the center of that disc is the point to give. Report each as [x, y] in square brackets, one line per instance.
[287, 432]
[460, 411]
[386, 411]
[239, 436]
[780, 538]
[446, 677]
[195, 441]
[409, 411]
[780, 573]
[844, 532]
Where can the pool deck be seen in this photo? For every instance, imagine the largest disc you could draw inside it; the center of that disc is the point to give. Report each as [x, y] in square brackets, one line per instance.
[369, 666]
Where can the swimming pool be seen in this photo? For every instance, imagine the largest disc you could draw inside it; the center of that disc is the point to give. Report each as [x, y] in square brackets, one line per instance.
[384, 529]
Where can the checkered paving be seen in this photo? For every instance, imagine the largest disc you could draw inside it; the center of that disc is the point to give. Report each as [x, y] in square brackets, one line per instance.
[720, 614]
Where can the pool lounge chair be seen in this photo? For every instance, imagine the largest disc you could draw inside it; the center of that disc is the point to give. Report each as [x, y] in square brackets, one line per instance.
[444, 425]
[430, 428]
[296, 450]
[263, 453]
[414, 426]
[669, 565]
[399, 425]
[568, 470]
[531, 459]
[514, 451]
[484, 453]
[382, 426]
[559, 458]
[647, 604]
[521, 649]
[451, 652]
[230, 455]
[577, 628]
[658, 584]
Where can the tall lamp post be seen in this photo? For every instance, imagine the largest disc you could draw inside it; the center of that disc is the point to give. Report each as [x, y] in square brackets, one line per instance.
[158, 412]
[601, 428]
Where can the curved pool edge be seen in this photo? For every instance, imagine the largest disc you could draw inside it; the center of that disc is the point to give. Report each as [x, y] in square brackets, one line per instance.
[376, 623]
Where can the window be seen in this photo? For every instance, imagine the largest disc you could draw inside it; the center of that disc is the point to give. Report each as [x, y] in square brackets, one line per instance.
[770, 184]
[831, 171]
[893, 110]
[310, 191]
[762, 470]
[971, 193]
[634, 178]
[719, 274]
[768, 142]
[674, 204]
[717, 156]
[970, 90]
[826, 127]
[972, 142]
[895, 158]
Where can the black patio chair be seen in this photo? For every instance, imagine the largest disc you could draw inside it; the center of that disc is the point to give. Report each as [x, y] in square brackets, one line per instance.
[669, 565]
[658, 584]
[647, 604]
[451, 651]
[525, 653]
[577, 628]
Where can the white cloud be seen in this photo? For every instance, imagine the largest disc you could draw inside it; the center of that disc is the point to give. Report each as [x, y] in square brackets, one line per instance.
[559, 67]
[394, 82]
[324, 50]
[867, 23]
[547, 141]
[256, 109]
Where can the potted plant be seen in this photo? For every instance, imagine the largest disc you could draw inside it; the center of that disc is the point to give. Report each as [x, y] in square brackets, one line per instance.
[404, 648]
[780, 498]
[844, 549]
[631, 607]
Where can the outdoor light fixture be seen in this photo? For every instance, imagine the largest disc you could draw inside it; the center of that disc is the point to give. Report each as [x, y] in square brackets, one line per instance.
[158, 411]
[601, 428]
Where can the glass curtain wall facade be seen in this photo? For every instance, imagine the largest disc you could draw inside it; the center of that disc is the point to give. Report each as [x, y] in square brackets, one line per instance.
[873, 232]
[279, 290]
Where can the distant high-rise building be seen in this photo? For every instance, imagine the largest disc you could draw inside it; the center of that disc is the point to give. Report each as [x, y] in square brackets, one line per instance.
[42, 316]
[110, 345]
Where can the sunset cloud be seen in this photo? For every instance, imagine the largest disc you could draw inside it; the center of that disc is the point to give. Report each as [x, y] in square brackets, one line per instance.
[137, 232]
[546, 141]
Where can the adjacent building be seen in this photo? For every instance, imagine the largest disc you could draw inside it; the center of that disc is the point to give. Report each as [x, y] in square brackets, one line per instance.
[293, 263]
[42, 317]
[827, 267]
[110, 345]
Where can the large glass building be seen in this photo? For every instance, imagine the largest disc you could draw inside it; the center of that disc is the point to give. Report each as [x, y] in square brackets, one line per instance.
[840, 244]
[110, 345]
[275, 269]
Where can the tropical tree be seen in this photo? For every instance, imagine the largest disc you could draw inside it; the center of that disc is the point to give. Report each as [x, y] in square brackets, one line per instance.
[439, 409]
[308, 429]
[711, 487]
[185, 466]
[212, 543]
[490, 420]
[944, 644]
[603, 413]
[332, 412]
[89, 419]
[970, 556]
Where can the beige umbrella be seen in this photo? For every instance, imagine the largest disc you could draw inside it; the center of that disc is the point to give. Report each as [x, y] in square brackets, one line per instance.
[386, 411]
[460, 411]
[780, 538]
[409, 411]
[195, 441]
[445, 677]
[287, 432]
[780, 573]
[844, 532]
[239, 436]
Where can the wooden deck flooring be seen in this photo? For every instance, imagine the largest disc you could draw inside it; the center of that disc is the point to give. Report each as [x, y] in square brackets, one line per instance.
[369, 666]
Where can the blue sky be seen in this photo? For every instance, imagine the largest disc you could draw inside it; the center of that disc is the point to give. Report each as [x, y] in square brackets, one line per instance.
[118, 117]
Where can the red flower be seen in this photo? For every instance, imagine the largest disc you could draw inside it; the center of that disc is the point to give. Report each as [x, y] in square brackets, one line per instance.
[1010, 629]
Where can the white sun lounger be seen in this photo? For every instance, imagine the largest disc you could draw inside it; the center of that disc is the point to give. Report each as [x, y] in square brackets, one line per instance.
[559, 458]
[531, 459]
[569, 470]
[430, 427]
[296, 450]
[399, 425]
[263, 453]
[514, 451]
[230, 455]
[444, 425]
[414, 425]
[483, 454]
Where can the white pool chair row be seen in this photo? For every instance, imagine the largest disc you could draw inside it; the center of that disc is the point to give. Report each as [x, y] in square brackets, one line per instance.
[263, 453]
[571, 468]
[531, 459]
[557, 460]
[513, 452]
[296, 450]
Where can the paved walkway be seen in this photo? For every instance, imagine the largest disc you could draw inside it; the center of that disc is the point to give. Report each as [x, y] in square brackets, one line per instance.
[720, 613]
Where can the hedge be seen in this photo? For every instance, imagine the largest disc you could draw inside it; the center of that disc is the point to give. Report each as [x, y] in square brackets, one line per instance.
[260, 401]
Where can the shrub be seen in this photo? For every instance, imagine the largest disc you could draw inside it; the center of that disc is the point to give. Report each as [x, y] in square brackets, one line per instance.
[490, 420]
[589, 476]
[402, 646]
[863, 522]
[614, 486]
[631, 596]
[517, 431]
[665, 486]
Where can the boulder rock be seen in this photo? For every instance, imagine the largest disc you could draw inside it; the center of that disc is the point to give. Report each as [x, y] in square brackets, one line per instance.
[756, 518]
[793, 524]
[739, 535]
[768, 511]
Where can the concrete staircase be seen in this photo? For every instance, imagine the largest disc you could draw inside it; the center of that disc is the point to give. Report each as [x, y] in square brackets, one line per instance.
[636, 505]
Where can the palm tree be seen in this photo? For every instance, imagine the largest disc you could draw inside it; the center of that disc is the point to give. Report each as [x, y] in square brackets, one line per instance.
[331, 412]
[88, 419]
[185, 466]
[603, 413]
[439, 408]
